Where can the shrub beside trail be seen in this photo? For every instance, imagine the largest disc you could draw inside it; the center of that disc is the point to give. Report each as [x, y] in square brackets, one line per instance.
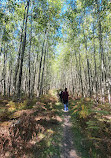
[95, 125]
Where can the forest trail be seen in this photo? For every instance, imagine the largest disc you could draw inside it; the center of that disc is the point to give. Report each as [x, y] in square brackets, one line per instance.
[68, 150]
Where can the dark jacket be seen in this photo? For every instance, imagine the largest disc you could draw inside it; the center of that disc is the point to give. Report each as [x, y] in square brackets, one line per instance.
[65, 97]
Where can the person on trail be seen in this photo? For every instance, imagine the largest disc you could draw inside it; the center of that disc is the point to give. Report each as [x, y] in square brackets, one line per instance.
[65, 99]
[60, 95]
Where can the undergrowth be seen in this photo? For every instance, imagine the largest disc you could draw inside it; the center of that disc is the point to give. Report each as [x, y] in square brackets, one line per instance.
[92, 127]
[31, 128]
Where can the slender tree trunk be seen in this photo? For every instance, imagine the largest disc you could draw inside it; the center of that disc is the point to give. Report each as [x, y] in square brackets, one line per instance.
[72, 77]
[80, 74]
[23, 51]
[40, 66]
[88, 66]
[18, 59]
[108, 77]
[34, 74]
[10, 78]
[109, 93]
[40, 92]
[95, 67]
[29, 56]
[101, 48]
[77, 70]
[4, 73]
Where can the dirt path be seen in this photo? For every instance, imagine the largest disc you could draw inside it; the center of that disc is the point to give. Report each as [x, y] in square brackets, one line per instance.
[68, 150]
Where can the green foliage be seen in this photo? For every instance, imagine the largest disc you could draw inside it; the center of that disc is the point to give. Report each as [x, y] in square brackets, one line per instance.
[83, 107]
[5, 36]
[47, 99]
[93, 124]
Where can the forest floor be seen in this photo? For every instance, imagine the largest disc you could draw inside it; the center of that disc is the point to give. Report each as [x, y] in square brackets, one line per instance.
[31, 129]
[39, 128]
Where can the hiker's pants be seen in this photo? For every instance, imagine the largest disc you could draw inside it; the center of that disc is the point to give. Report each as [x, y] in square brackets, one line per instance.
[66, 106]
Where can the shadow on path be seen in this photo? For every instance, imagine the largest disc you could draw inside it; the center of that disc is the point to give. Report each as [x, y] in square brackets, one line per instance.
[68, 150]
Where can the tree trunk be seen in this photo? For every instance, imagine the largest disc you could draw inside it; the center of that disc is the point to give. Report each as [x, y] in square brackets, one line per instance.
[40, 92]
[4, 73]
[29, 56]
[40, 66]
[88, 66]
[80, 73]
[101, 49]
[22, 53]
[34, 75]
[18, 59]
[95, 67]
